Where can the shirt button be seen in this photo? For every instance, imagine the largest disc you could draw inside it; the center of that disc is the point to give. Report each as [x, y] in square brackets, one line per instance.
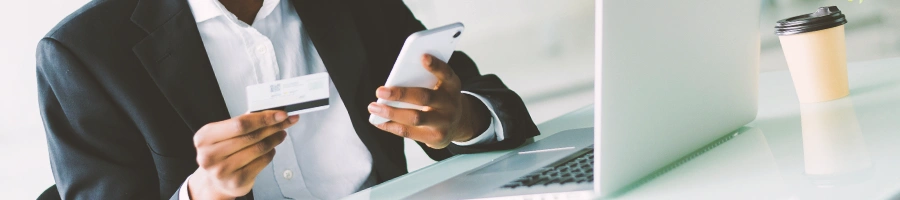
[260, 49]
[288, 174]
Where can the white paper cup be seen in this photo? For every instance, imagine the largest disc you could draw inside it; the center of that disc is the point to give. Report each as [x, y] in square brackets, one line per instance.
[816, 54]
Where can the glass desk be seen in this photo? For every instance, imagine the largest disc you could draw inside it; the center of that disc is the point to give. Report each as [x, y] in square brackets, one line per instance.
[843, 149]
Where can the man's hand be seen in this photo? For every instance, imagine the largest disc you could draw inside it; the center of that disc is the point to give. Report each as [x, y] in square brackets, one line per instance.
[448, 115]
[232, 152]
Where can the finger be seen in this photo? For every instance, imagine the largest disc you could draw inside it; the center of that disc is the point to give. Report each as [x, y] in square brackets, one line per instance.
[239, 125]
[409, 117]
[252, 169]
[439, 68]
[421, 134]
[264, 132]
[413, 95]
[403, 130]
[246, 155]
[229, 146]
[241, 181]
[438, 145]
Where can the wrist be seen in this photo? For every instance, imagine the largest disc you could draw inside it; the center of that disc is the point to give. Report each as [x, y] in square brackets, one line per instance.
[476, 118]
[199, 187]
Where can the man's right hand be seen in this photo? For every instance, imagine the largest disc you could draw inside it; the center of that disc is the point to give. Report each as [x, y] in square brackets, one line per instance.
[232, 152]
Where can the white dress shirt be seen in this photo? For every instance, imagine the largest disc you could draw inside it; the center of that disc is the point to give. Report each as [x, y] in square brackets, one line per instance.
[322, 157]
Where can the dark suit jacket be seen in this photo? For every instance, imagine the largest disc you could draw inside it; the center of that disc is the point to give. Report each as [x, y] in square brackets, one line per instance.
[124, 85]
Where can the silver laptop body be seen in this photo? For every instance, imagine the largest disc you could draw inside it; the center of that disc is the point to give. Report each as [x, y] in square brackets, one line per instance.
[672, 77]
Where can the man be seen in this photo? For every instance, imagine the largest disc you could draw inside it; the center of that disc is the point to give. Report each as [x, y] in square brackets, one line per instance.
[145, 99]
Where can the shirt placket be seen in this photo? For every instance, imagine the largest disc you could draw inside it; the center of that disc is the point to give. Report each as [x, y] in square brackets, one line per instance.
[286, 171]
[262, 54]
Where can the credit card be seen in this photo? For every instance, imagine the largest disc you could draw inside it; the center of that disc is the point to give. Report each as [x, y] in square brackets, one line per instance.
[296, 95]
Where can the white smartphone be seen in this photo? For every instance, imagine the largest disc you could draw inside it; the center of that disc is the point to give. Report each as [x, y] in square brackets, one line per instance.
[408, 70]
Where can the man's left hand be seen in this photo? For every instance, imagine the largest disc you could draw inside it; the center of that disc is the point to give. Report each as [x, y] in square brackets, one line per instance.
[447, 114]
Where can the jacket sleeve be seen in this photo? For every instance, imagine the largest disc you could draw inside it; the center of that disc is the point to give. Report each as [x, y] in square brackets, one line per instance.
[95, 150]
[514, 118]
[513, 115]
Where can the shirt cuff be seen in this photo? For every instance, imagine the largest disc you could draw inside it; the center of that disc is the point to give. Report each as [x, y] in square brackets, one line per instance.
[494, 132]
[183, 191]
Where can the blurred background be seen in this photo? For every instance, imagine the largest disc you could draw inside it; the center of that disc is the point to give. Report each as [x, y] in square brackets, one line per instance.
[541, 49]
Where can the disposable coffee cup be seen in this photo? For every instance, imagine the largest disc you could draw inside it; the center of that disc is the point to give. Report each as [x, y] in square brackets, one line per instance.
[816, 54]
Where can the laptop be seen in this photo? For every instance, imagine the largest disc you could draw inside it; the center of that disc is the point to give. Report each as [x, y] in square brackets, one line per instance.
[672, 78]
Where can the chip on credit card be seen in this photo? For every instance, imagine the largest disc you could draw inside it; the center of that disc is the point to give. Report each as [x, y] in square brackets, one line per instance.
[295, 96]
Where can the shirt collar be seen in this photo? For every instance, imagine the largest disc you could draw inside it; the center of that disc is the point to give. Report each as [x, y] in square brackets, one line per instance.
[207, 9]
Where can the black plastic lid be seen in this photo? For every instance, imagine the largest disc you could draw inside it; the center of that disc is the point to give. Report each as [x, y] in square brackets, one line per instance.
[824, 18]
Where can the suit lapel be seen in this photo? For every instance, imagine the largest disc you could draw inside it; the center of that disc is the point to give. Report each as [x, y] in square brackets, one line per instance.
[333, 31]
[337, 40]
[174, 56]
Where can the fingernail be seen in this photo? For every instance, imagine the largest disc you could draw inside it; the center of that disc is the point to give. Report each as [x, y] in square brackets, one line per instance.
[383, 92]
[426, 60]
[294, 119]
[280, 116]
[374, 108]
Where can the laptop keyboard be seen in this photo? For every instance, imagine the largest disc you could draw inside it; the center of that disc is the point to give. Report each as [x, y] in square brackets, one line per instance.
[579, 169]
